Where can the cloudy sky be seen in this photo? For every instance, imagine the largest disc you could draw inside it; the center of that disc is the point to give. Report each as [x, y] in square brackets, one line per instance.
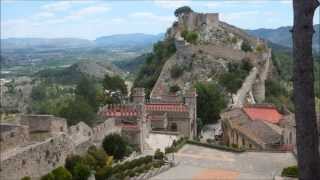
[90, 19]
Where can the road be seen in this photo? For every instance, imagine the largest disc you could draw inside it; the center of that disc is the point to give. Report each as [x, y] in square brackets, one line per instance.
[196, 162]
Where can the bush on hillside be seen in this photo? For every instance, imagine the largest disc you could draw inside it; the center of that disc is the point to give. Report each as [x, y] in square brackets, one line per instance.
[190, 36]
[61, 173]
[176, 71]
[291, 171]
[150, 71]
[116, 146]
[81, 172]
[71, 161]
[175, 88]
[246, 47]
[48, 176]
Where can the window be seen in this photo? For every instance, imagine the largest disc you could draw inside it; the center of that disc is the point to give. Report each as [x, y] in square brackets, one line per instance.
[12, 134]
[61, 129]
[243, 142]
[174, 127]
[250, 145]
[290, 138]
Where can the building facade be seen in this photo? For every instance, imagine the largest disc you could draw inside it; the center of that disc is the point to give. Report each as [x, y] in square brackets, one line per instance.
[167, 113]
[259, 127]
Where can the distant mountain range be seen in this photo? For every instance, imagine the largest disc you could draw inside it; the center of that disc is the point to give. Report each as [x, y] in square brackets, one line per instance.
[116, 41]
[282, 36]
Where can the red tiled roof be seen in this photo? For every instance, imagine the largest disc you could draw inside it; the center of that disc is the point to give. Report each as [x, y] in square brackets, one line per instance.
[119, 112]
[269, 114]
[167, 107]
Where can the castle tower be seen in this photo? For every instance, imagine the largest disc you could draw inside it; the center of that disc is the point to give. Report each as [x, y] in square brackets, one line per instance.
[138, 96]
[190, 99]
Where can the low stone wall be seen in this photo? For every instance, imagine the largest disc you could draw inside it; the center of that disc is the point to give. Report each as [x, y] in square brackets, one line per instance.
[239, 98]
[37, 159]
[40, 158]
[228, 53]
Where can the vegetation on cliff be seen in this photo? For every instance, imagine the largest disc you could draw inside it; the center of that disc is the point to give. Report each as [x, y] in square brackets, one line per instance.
[182, 10]
[190, 36]
[233, 79]
[150, 71]
[279, 88]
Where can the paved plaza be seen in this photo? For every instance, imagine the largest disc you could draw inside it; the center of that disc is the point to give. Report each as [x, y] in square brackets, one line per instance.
[195, 162]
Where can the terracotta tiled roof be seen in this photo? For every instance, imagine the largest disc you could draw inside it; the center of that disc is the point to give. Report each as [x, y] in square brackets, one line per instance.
[166, 107]
[119, 111]
[260, 130]
[269, 114]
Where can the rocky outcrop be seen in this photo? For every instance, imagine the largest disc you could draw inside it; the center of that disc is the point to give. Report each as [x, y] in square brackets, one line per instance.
[218, 44]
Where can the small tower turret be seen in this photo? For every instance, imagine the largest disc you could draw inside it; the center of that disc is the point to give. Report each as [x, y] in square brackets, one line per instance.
[138, 95]
[190, 99]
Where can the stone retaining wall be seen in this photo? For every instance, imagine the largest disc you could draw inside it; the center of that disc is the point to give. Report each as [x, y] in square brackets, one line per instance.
[40, 158]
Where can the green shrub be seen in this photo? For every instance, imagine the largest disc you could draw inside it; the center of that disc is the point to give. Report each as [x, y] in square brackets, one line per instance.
[168, 150]
[81, 172]
[72, 161]
[245, 46]
[291, 171]
[176, 71]
[26, 178]
[61, 173]
[234, 146]
[158, 155]
[104, 173]
[131, 173]
[175, 88]
[215, 146]
[190, 36]
[116, 146]
[48, 176]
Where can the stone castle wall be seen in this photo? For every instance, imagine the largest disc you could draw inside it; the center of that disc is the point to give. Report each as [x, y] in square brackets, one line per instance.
[39, 158]
[15, 136]
[44, 123]
[193, 21]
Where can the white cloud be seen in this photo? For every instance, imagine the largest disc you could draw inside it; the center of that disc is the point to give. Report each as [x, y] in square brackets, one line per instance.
[88, 11]
[43, 15]
[212, 4]
[148, 17]
[57, 6]
[118, 20]
[169, 4]
[238, 15]
[288, 2]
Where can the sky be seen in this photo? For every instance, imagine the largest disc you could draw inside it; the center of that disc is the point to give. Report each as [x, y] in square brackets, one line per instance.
[90, 19]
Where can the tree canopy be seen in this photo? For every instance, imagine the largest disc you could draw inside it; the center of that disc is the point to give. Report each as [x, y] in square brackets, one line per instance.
[115, 145]
[210, 102]
[182, 10]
